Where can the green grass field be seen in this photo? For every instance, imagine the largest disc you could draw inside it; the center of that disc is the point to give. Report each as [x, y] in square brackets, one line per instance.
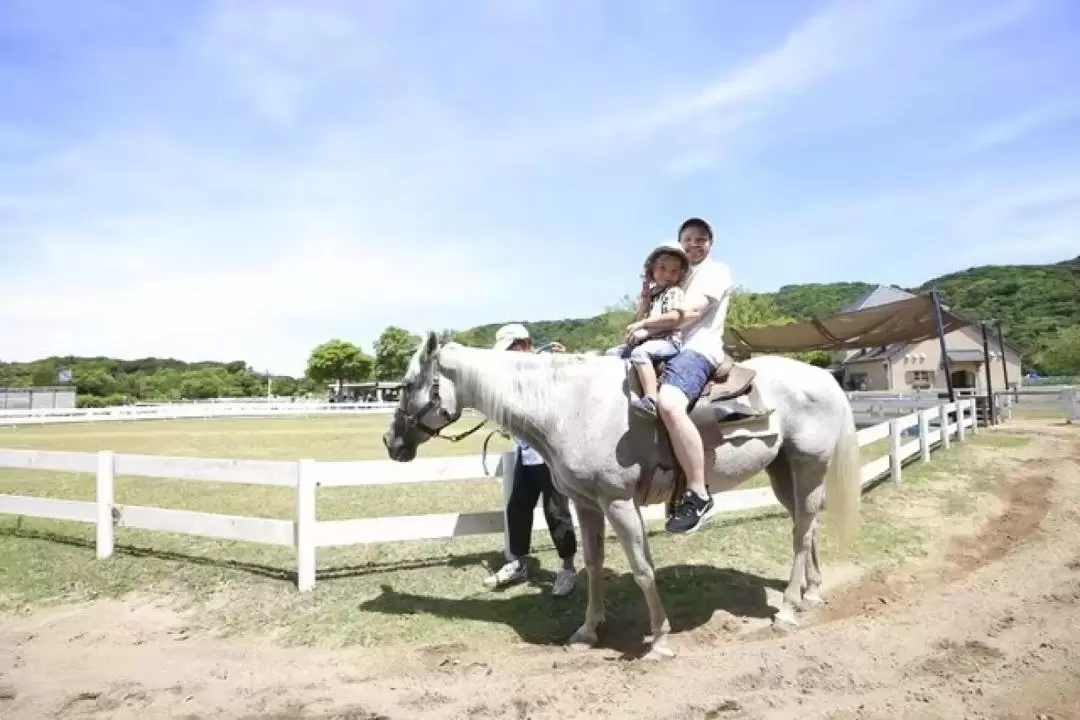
[428, 591]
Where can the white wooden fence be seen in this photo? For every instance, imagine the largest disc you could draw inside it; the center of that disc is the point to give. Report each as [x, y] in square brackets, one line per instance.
[305, 533]
[42, 416]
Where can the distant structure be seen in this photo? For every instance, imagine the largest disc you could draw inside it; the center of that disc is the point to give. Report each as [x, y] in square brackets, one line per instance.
[905, 367]
[35, 398]
[368, 391]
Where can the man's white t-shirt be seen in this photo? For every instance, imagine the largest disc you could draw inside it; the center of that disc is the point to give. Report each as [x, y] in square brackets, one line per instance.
[706, 334]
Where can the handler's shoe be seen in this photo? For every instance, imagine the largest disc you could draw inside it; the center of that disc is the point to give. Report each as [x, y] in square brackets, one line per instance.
[564, 582]
[690, 513]
[510, 573]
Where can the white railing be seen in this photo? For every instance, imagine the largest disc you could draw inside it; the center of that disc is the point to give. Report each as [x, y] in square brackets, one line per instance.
[176, 411]
[305, 533]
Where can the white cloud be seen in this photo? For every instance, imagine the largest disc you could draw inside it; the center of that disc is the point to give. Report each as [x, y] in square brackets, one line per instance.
[128, 299]
[278, 55]
[1023, 125]
[909, 235]
[722, 120]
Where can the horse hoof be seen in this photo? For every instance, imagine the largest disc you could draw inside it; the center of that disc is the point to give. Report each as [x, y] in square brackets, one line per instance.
[811, 601]
[582, 640]
[658, 653]
[784, 621]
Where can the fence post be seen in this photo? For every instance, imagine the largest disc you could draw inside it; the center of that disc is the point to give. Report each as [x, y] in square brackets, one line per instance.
[305, 525]
[943, 420]
[924, 431]
[960, 422]
[509, 462]
[106, 537]
[974, 415]
[894, 450]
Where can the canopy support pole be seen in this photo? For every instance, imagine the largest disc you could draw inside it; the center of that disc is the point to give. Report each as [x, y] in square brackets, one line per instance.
[1001, 346]
[990, 409]
[941, 341]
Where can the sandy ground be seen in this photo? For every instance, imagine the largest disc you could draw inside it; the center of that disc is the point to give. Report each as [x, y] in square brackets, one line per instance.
[987, 628]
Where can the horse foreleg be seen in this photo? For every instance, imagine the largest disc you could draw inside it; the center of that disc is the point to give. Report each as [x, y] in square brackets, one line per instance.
[626, 520]
[592, 550]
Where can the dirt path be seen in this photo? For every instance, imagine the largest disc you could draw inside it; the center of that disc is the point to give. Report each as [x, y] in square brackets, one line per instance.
[988, 628]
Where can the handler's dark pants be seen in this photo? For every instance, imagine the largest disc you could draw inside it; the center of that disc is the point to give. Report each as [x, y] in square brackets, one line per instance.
[530, 482]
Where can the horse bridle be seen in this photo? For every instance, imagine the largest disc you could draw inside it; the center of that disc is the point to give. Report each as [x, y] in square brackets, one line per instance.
[434, 404]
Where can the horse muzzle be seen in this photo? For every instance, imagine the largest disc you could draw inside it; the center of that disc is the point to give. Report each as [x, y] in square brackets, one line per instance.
[397, 449]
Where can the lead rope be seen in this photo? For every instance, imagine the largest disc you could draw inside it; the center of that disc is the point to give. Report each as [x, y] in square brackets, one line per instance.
[461, 436]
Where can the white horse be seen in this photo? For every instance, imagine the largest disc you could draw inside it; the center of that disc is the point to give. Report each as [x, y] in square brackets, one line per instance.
[773, 413]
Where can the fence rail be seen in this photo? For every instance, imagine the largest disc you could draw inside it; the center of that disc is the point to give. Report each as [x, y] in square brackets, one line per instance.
[177, 411]
[305, 533]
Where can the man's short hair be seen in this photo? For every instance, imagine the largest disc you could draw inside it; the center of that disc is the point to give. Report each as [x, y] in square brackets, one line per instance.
[697, 224]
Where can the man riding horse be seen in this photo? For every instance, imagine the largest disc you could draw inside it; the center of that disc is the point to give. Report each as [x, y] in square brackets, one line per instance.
[701, 319]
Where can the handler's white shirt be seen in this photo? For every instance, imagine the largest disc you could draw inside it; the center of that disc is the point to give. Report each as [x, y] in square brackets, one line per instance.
[706, 335]
[528, 455]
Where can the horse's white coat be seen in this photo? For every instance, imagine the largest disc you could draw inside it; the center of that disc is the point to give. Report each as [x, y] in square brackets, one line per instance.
[574, 410]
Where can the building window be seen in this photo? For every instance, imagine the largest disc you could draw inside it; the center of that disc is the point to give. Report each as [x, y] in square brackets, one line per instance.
[919, 379]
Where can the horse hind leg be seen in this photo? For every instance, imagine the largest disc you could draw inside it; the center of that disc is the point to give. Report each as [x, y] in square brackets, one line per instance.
[626, 520]
[808, 475]
[783, 483]
[812, 594]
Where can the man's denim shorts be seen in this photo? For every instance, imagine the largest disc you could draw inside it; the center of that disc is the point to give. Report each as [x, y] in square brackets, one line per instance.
[690, 372]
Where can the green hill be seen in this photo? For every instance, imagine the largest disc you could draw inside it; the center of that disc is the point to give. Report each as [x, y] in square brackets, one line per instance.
[1033, 302]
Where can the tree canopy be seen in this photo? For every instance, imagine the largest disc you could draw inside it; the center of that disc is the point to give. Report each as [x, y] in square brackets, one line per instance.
[393, 350]
[339, 361]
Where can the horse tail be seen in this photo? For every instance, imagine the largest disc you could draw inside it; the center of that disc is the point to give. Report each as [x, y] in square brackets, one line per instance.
[843, 480]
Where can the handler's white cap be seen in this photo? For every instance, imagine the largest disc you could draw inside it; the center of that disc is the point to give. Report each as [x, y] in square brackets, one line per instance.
[507, 335]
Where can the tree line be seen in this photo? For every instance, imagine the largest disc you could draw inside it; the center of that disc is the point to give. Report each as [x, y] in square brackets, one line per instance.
[1039, 307]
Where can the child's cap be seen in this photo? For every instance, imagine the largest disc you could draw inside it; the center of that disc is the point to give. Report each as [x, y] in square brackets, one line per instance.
[667, 249]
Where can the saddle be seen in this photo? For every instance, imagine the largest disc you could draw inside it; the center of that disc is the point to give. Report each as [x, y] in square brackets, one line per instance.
[727, 393]
[730, 397]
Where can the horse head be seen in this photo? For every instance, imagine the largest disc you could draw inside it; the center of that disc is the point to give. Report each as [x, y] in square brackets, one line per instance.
[427, 404]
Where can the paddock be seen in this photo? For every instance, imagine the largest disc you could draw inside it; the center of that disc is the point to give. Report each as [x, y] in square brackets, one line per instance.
[421, 603]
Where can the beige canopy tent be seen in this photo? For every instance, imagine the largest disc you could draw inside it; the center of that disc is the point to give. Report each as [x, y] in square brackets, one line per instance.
[905, 321]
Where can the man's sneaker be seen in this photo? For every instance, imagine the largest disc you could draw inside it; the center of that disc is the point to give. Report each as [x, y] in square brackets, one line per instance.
[644, 406]
[508, 574]
[564, 582]
[690, 513]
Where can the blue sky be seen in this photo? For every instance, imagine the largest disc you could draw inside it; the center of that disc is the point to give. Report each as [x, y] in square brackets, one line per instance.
[243, 180]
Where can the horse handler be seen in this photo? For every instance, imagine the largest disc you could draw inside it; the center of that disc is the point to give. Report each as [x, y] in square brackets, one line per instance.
[532, 479]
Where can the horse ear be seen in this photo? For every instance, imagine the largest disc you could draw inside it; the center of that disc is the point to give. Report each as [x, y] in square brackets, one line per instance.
[432, 343]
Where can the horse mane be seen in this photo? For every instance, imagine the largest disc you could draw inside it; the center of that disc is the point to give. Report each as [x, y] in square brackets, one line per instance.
[507, 385]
